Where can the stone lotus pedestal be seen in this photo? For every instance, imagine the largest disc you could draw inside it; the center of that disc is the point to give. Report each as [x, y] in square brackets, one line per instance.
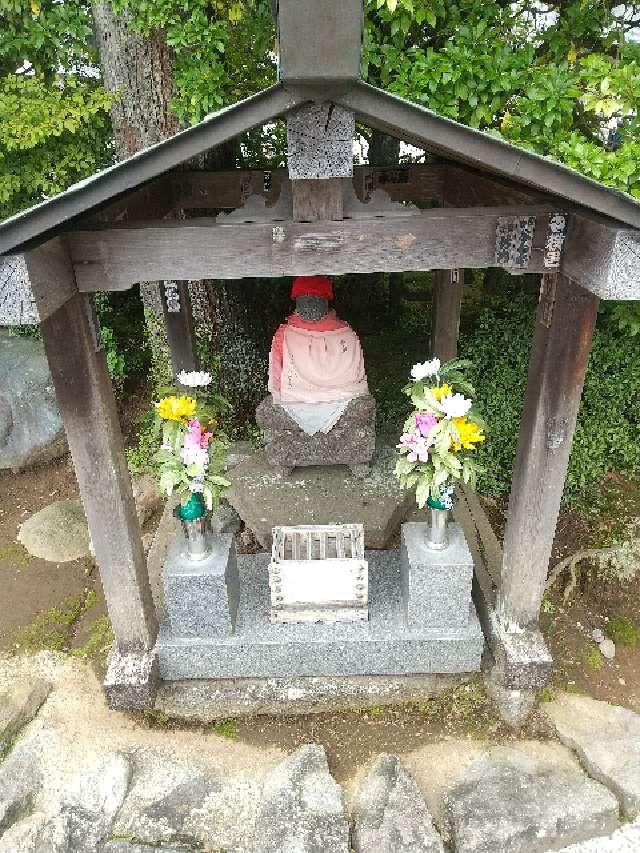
[351, 442]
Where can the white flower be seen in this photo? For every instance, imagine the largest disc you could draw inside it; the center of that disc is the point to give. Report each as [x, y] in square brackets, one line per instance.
[427, 368]
[195, 379]
[197, 487]
[455, 405]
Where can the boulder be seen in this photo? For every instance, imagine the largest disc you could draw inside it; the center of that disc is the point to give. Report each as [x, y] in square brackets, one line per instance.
[57, 532]
[510, 803]
[19, 703]
[20, 781]
[162, 797]
[606, 739]
[390, 813]
[302, 809]
[31, 430]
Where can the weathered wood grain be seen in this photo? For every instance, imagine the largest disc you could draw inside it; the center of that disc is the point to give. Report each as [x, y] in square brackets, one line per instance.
[317, 200]
[51, 277]
[557, 368]
[180, 330]
[447, 298]
[196, 249]
[85, 396]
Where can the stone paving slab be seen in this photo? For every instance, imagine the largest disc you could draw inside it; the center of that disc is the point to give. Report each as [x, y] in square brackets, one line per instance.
[390, 813]
[624, 840]
[606, 739]
[381, 646]
[510, 802]
[19, 703]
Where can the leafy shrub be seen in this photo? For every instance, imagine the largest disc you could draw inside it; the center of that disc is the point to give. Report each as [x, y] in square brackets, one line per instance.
[499, 343]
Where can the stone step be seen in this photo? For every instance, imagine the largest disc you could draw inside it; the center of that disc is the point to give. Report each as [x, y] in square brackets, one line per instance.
[381, 646]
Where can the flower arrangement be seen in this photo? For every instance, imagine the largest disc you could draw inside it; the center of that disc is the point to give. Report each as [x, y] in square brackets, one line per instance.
[440, 435]
[193, 452]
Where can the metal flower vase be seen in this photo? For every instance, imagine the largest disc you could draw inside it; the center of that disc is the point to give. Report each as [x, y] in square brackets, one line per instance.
[437, 529]
[195, 526]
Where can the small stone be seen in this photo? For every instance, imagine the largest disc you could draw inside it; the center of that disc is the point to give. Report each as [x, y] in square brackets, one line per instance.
[391, 815]
[606, 739]
[58, 532]
[20, 780]
[608, 648]
[18, 706]
[597, 635]
[622, 682]
[302, 809]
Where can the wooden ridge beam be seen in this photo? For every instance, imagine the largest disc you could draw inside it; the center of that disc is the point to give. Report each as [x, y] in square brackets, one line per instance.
[117, 258]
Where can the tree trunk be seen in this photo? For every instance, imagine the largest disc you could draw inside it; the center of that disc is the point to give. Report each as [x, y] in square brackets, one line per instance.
[138, 69]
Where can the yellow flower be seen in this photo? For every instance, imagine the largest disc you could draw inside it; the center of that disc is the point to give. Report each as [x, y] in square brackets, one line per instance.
[470, 434]
[441, 391]
[176, 408]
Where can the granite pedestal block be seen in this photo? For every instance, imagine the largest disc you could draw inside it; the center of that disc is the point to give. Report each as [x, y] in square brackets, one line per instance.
[352, 441]
[202, 598]
[436, 585]
[381, 646]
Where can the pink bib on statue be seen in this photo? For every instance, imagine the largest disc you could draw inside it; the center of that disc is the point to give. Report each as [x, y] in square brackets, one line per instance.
[323, 366]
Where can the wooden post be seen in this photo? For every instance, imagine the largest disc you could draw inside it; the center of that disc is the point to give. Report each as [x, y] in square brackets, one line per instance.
[315, 200]
[557, 367]
[85, 396]
[178, 318]
[447, 298]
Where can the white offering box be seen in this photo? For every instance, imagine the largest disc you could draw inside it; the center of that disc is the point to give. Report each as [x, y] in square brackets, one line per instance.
[318, 573]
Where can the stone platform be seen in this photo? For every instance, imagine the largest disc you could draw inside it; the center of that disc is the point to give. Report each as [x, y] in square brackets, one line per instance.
[381, 646]
[320, 495]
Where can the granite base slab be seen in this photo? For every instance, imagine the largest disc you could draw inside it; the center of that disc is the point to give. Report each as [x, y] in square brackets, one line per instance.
[381, 646]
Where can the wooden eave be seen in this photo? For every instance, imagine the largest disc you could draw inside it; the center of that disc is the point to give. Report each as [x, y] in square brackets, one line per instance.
[394, 115]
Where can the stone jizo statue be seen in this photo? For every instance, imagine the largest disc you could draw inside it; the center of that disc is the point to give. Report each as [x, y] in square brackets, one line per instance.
[320, 411]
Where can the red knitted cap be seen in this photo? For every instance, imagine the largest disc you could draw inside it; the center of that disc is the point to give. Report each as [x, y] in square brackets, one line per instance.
[312, 285]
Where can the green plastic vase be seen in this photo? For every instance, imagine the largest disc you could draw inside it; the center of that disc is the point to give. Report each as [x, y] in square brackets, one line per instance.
[194, 508]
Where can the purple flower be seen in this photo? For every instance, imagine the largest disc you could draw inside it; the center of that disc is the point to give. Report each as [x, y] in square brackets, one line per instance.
[418, 447]
[425, 422]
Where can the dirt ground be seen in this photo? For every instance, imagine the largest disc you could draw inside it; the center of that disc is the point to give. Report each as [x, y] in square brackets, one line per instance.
[62, 606]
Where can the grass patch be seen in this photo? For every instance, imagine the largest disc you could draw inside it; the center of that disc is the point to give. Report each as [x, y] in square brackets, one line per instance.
[16, 553]
[622, 631]
[547, 694]
[53, 629]
[156, 719]
[98, 643]
[467, 707]
[225, 728]
[593, 659]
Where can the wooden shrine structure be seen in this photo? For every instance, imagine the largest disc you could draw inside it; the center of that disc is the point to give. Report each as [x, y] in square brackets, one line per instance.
[482, 203]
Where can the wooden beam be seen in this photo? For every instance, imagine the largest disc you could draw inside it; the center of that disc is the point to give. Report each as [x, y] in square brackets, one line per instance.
[154, 200]
[565, 322]
[319, 200]
[198, 249]
[446, 301]
[603, 258]
[179, 325]
[423, 183]
[466, 187]
[51, 277]
[85, 396]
